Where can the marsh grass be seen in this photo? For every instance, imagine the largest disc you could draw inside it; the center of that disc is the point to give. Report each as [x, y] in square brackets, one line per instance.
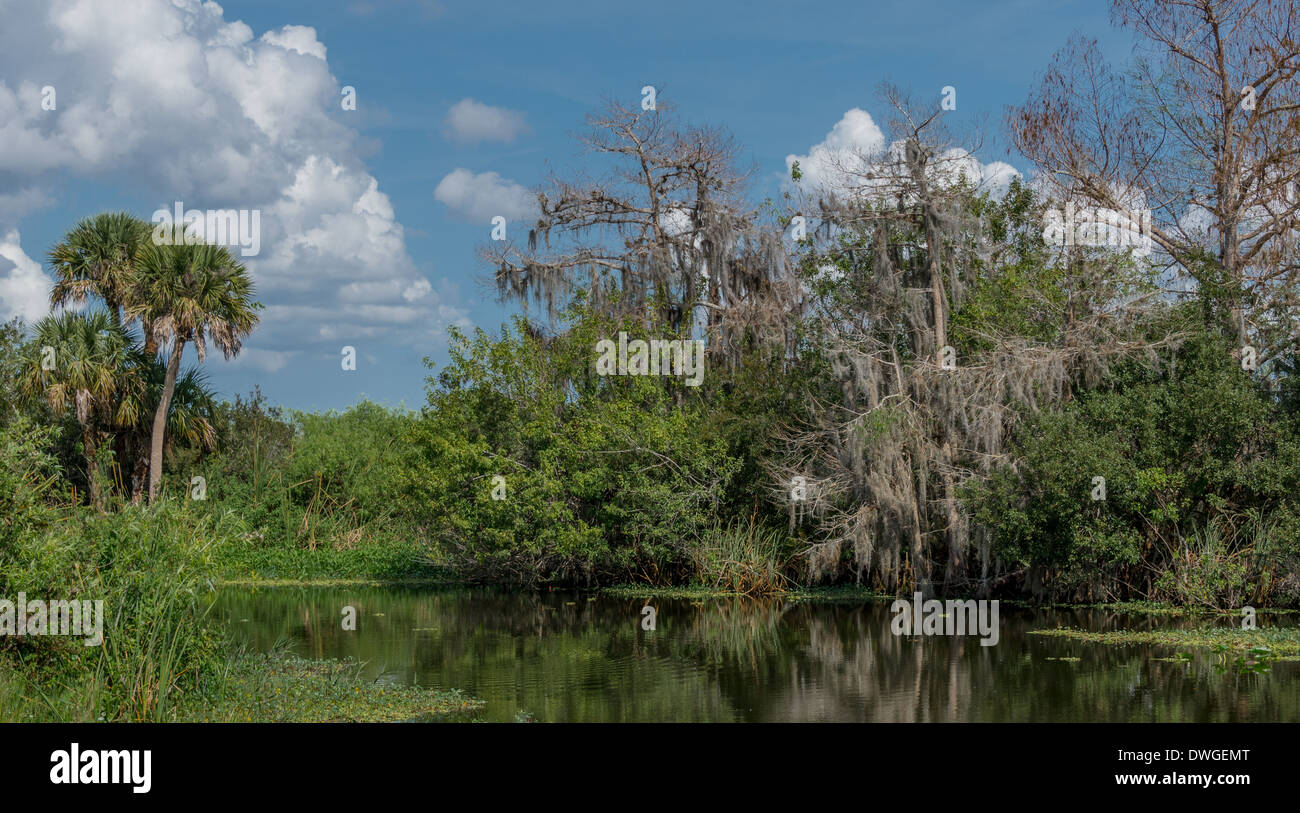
[741, 557]
[152, 569]
[278, 686]
[1279, 641]
[1224, 565]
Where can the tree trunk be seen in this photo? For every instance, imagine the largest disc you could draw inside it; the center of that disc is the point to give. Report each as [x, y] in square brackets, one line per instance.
[140, 470]
[160, 418]
[150, 343]
[92, 464]
[939, 311]
[1228, 252]
[140, 443]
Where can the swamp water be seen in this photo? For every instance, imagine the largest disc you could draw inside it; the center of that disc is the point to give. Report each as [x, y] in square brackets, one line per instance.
[582, 657]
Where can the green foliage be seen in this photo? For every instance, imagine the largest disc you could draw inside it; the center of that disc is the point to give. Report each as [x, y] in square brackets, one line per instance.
[29, 480]
[313, 492]
[1201, 468]
[1023, 294]
[11, 365]
[603, 476]
[152, 570]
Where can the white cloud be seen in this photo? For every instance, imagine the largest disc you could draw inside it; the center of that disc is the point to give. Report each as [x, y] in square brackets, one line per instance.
[831, 165]
[24, 288]
[300, 38]
[676, 221]
[996, 177]
[270, 361]
[481, 197]
[417, 290]
[172, 102]
[473, 121]
[14, 205]
[855, 148]
[957, 164]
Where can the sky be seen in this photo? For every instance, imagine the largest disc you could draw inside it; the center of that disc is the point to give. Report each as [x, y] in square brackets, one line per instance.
[371, 219]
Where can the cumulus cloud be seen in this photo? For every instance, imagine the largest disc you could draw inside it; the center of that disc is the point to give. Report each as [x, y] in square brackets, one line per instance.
[996, 177]
[270, 361]
[854, 155]
[300, 38]
[675, 220]
[17, 203]
[24, 288]
[172, 102]
[483, 196]
[957, 164]
[831, 164]
[472, 121]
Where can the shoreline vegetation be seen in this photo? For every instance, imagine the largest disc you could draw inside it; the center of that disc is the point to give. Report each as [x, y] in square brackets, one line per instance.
[253, 495]
[281, 688]
[912, 390]
[1282, 642]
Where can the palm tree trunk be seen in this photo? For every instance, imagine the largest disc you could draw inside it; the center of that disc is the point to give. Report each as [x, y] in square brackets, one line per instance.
[160, 418]
[142, 449]
[140, 471]
[92, 463]
[150, 343]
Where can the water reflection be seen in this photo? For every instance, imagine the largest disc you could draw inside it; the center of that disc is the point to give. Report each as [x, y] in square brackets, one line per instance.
[577, 658]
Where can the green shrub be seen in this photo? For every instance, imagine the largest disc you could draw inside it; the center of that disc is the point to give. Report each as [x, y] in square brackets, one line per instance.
[1201, 470]
[602, 478]
[152, 569]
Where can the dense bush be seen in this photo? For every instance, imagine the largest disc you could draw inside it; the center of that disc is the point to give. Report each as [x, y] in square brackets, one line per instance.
[600, 476]
[313, 492]
[1201, 469]
[153, 569]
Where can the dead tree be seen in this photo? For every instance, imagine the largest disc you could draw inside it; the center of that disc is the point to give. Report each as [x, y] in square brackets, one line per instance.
[1204, 129]
[659, 232]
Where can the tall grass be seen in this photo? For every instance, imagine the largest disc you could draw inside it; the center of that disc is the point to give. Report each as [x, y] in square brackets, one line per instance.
[741, 557]
[152, 569]
[1229, 564]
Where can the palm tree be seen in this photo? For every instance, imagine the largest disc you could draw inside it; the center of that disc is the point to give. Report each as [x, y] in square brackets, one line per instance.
[98, 257]
[190, 416]
[89, 354]
[188, 293]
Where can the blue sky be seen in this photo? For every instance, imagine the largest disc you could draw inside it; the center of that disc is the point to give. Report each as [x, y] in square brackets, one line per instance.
[236, 106]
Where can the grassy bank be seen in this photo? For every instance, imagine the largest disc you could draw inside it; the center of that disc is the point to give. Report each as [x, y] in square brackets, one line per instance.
[390, 562]
[275, 688]
[281, 688]
[1280, 642]
[146, 577]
